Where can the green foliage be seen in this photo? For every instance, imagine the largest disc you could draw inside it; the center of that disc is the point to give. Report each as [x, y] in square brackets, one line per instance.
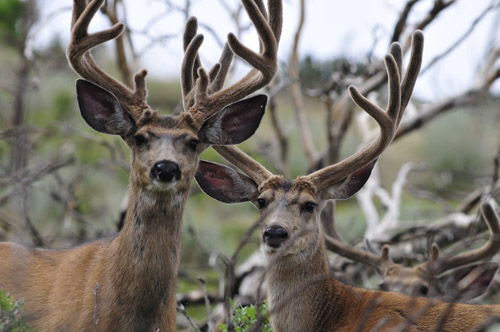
[246, 317]
[10, 13]
[316, 74]
[10, 314]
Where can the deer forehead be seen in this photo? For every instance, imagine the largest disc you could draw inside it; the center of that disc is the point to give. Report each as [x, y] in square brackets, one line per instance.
[165, 125]
[407, 274]
[289, 192]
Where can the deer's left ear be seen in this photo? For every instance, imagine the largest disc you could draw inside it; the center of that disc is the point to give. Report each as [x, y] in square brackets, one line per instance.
[235, 123]
[224, 183]
[351, 184]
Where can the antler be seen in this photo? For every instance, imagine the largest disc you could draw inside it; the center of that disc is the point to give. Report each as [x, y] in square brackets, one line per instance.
[244, 162]
[388, 121]
[436, 265]
[379, 263]
[205, 97]
[399, 96]
[80, 59]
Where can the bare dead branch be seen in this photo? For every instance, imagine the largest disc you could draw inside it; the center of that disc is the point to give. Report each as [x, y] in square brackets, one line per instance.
[464, 36]
[298, 102]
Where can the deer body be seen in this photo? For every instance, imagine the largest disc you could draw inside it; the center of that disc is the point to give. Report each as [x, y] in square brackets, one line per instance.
[127, 282]
[302, 294]
[320, 303]
[135, 286]
[134, 272]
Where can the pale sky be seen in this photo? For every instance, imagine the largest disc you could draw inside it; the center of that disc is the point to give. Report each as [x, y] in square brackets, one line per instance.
[332, 28]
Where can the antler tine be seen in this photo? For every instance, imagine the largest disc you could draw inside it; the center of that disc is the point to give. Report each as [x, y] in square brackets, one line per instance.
[80, 59]
[437, 265]
[220, 70]
[379, 263]
[187, 79]
[206, 99]
[417, 49]
[388, 121]
[244, 162]
[191, 64]
[335, 243]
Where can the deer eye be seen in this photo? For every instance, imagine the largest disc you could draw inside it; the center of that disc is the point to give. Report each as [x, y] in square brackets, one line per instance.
[261, 203]
[140, 140]
[193, 144]
[309, 207]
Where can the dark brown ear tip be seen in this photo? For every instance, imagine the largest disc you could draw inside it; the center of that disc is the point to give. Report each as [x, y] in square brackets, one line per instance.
[261, 99]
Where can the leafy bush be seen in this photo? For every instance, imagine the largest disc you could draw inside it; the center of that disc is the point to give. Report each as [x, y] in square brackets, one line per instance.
[246, 317]
[10, 314]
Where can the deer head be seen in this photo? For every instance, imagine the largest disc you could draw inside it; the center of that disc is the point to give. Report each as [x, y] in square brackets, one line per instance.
[436, 277]
[166, 149]
[290, 209]
[425, 279]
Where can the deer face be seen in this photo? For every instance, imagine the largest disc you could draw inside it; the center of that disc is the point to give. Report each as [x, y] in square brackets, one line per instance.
[407, 280]
[289, 209]
[166, 149]
[164, 156]
[289, 224]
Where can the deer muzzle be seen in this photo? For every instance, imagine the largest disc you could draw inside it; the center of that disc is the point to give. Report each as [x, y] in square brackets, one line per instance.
[274, 236]
[165, 171]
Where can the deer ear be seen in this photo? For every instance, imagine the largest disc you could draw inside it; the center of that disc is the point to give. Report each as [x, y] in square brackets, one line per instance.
[351, 184]
[224, 184]
[235, 123]
[102, 110]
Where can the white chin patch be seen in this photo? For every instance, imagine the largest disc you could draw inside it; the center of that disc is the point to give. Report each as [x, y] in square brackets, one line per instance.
[268, 250]
[162, 186]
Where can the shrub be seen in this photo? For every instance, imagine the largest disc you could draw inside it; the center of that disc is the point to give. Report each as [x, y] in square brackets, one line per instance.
[245, 317]
[10, 314]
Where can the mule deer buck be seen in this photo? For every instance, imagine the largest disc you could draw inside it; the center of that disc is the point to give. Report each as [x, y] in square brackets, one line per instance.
[127, 282]
[424, 279]
[302, 295]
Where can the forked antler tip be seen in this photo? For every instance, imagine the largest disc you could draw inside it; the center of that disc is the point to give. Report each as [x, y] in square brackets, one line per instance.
[435, 252]
[233, 41]
[191, 20]
[352, 90]
[140, 79]
[385, 257]
[391, 63]
[418, 36]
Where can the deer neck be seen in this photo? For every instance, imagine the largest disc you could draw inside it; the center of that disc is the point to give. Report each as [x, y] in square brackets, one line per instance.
[147, 249]
[298, 295]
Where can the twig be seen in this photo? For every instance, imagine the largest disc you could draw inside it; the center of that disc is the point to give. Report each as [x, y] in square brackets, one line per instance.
[182, 310]
[95, 319]
[298, 101]
[207, 304]
[459, 41]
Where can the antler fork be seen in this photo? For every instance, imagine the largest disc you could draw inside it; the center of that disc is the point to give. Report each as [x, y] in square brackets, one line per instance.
[204, 97]
[80, 59]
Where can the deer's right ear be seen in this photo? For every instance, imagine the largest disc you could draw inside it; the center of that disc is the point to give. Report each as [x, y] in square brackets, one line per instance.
[224, 183]
[102, 110]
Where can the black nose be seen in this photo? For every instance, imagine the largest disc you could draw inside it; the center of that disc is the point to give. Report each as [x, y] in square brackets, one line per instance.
[165, 171]
[274, 236]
